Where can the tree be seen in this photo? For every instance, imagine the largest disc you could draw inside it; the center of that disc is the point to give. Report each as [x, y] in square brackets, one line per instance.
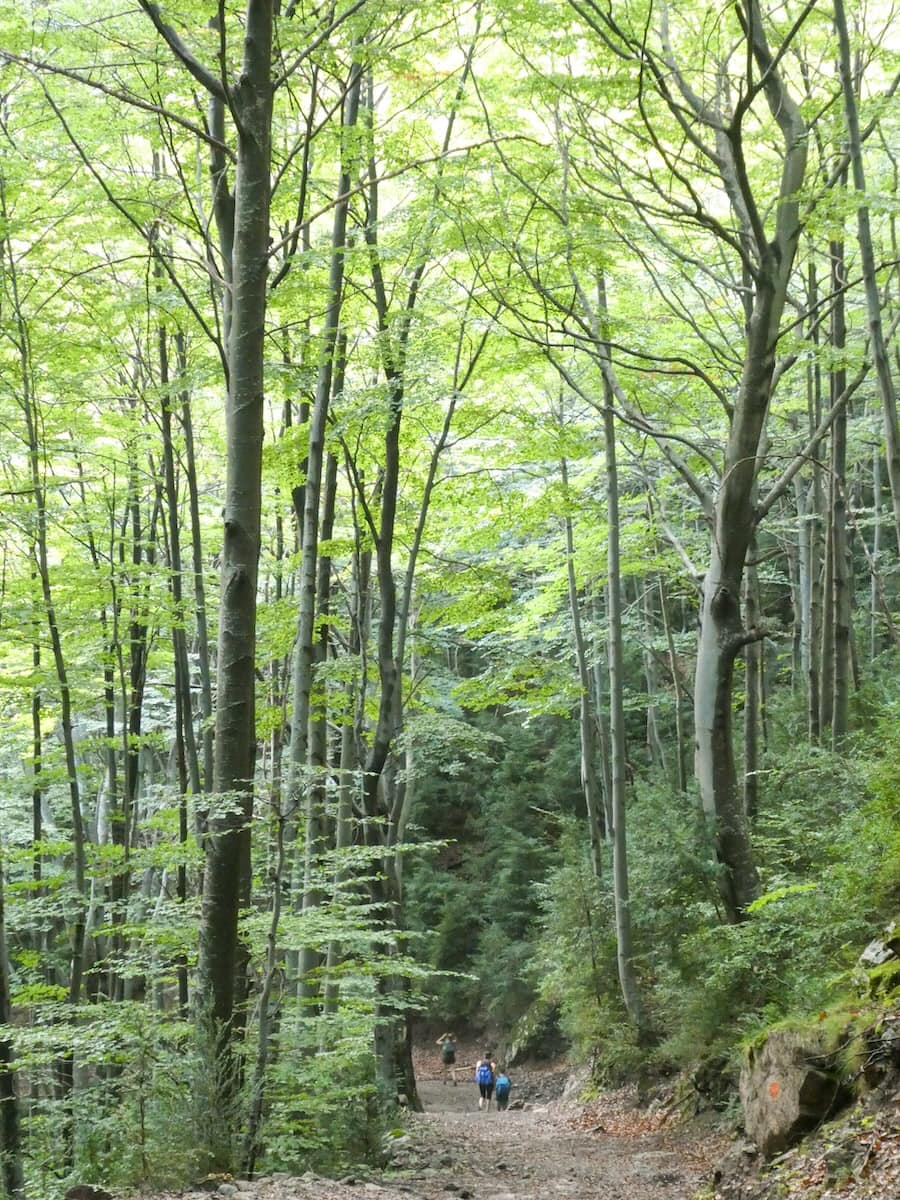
[249, 100]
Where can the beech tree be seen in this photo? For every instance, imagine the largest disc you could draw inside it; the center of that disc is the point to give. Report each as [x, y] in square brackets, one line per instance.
[702, 138]
[284, 293]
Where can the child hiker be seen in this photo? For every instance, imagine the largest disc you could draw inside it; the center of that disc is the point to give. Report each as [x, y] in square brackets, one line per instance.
[502, 1087]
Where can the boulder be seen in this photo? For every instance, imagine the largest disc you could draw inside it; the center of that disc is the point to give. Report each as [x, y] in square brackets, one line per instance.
[788, 1086]
[883, 949]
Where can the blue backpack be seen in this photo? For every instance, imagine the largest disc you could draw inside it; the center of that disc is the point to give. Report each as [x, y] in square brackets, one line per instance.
[503, 1086]
[484, 1074]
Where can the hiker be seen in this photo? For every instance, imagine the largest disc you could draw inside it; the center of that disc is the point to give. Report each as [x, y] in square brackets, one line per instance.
[447, 1043]
[502, 1087]
[484, 1077]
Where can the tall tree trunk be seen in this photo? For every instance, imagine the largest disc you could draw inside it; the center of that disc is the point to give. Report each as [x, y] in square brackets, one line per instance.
[813, 530]
[624, 940]
[826, 636]
[315, 824]
[198, 566]
[792, 553]
[590, 784]
[228, 844]
[271, 975]
[840, 554]
[752, 685]
[11, 1167]
[875, 596]
[867, 262]
[37, 766]
[351, 737]
[722, 635]
[176, 574]
[677, 687]
[186, 742]
[76, 917]
[300, 793]
[599, 688]
[656, 755]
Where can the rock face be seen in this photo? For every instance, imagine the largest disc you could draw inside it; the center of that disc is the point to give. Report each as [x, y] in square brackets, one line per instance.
[786, 1089]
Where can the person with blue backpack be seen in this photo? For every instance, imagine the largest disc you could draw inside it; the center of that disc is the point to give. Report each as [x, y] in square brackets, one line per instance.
[484, 1077]
[502, 1087]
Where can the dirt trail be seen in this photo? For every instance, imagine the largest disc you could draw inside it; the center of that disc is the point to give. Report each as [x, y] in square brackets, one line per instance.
[542, 1151]
[538, 1152]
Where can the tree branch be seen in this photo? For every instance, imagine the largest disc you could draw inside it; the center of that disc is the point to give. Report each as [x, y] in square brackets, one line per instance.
[215, 86]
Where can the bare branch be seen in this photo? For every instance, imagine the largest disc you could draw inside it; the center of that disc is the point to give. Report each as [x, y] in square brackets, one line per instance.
[215, 86]
[124, 96]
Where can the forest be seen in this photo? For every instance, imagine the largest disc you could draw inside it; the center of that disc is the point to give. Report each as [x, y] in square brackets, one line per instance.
[450, 485]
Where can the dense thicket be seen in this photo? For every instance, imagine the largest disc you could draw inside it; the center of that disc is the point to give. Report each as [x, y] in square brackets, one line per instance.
[431, 437]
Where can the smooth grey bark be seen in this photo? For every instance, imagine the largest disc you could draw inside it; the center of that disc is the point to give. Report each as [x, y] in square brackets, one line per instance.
[316, 833]
[199, 581]
[37, 754]
[227, 851]
[812, 531]
[803, 584]
[108, 804]
[176, 572]
[624, 939]
[752, 665]
[270, 976]
[840, 553]
[226, 876]
[677, 687]
[656, 754]
[11, 1166]
[343, 836]
[795, 575]
[826, 631]
[349, 781]
[587, 727]
[185, 737]
[867, 262]
[875, 598]
[599, 688]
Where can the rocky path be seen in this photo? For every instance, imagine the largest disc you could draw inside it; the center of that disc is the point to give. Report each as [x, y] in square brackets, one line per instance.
[539, 1153]
[543, 1151]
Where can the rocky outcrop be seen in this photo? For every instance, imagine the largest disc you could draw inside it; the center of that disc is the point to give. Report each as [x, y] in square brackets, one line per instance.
[882, 949]
[788, 1085]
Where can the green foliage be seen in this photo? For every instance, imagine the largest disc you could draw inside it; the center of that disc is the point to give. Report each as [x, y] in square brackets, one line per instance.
[127, 1121]
[324, 1113]
[826, 837]
[477, 914]
[576, 953]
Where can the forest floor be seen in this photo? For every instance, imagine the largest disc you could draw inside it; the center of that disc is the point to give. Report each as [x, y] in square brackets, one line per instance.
[557, 1147]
